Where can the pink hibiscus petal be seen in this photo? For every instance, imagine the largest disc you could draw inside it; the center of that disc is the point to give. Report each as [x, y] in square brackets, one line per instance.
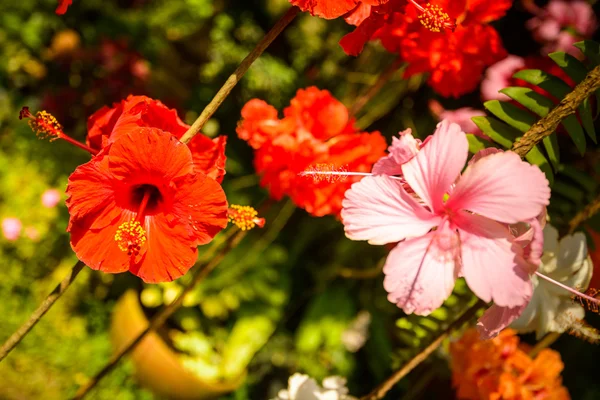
[420, 272]
[431, 172]
[496, 318]
[379, 210]
[492, 264]
[501, 187]
[401, 151]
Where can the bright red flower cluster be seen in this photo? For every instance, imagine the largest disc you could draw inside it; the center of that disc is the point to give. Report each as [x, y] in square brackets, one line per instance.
[330, 9]
[147, 200]
[316, 130]
[428, 39]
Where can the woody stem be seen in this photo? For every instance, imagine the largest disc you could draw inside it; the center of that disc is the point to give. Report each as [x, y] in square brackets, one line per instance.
[568, 106]
[569, 289]
[34, 318]
[380, 391]
[241, 70]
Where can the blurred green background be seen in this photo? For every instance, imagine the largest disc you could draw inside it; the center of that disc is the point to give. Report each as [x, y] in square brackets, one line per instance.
[295, 296]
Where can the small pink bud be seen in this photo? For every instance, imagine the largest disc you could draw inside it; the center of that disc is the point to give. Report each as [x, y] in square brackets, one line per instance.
[50, 198]
[11, 228]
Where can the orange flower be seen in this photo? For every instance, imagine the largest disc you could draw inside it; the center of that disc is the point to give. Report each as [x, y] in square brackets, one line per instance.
[316, 129]
[498, 369]
[142, 205]
[107, 124]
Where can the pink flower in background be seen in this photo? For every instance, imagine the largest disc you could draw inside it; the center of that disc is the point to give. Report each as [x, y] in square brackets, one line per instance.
[32, 233]
[461, 116]
[562, 23]
[499, 76]
[50, 198]
[11, 228]
[448, 224]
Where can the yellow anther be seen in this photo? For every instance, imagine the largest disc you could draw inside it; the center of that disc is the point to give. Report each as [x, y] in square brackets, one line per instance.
[244, 217]
[43, 123]
[435, 19]
[130, 237]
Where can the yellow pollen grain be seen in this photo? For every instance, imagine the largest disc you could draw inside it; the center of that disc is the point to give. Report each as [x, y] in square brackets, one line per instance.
[244, 217]
[45, 125]
[130, 237]
[433, 17]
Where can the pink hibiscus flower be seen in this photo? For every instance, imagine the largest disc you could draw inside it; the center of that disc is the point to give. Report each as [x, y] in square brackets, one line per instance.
[450, 224]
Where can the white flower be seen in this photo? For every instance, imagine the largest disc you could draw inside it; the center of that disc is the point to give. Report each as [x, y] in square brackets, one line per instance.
[303, 387]
[551, 308]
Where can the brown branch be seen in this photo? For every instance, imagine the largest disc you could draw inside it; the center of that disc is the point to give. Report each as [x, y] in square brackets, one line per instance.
[160, 318]
[547, 125]
[588, 211]
[42, 309]
[380, 391]
[383, 78]
[156, 322]
[234, 78]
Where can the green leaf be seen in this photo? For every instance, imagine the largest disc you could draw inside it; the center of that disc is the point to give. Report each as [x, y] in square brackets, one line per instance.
[500, 133]
[576, 132]
[587, 119]
[590, 49]
[581, 178]
[511, 114]
[476, 143]
[541, 106]
[550, 83]
[572, 66]
[505, 136]
[559, 89]
[571, 192]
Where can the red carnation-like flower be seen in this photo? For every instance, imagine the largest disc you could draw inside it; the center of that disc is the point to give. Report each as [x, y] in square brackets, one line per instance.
[316, 131]
[63, 6]
[107, 124]
[451, 40]
[142, 205]
[330, 9]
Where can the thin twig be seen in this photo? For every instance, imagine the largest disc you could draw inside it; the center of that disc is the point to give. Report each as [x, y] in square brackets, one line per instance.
[159, 319]
[42, 309]
[382, 79]
[234, 78]
[547, 125]
[380, 391]
[588, 211]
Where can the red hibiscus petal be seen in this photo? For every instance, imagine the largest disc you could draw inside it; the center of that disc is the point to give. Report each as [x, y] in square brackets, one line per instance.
[170, 251]
[209, 156]
[63, 5]
[149, 153]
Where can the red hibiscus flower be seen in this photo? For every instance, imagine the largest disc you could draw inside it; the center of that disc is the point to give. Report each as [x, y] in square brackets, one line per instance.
[448, 39]
[316, 131]
[142, 205]
[63, 6]
[330, 9]
[107, 124]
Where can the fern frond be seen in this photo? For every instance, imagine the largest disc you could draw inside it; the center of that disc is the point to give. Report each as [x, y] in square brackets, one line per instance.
[513, 120]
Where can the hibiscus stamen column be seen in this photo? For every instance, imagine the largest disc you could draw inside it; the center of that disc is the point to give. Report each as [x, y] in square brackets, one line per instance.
[46, 126]
[131, 235]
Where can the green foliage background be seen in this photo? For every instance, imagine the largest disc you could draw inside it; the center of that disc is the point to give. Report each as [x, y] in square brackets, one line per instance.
[281, 300]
